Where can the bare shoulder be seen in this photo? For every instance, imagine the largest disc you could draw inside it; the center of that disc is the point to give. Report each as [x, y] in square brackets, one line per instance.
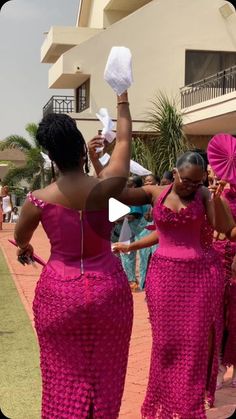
[45, 192]
[157, 191]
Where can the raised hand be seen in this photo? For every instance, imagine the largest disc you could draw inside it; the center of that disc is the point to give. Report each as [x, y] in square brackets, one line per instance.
[217, 188]
[93, 145]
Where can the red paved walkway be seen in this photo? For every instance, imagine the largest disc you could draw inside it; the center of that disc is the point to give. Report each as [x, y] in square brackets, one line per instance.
[25, 279]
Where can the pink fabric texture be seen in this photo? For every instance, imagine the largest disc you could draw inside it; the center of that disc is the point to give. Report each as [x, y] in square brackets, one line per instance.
[184, 294]
[227, 251]
[83, 317]
[221, 151]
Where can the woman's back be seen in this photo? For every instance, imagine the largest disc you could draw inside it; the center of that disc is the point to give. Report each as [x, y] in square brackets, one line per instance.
[80, 239]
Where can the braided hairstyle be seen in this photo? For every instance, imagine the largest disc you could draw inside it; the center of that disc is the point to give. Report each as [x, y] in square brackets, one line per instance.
[190, 157]
[59, 135]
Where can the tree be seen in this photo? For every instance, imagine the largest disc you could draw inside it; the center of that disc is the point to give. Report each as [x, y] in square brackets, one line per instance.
[167, 139]
[33, 171]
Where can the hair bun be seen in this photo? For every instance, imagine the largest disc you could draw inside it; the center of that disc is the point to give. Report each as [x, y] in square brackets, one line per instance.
[59, 135]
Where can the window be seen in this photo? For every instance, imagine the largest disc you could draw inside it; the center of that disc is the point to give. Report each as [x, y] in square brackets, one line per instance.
[202, 64]
[82, 96]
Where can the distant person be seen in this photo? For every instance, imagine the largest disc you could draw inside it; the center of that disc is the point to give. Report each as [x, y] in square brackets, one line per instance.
[136, 223]
[152, 180]
[6, 204]
[14, 215]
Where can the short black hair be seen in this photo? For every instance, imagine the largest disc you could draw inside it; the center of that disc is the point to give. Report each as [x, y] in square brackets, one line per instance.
[190, 157]
[59, 135]
[137, 181]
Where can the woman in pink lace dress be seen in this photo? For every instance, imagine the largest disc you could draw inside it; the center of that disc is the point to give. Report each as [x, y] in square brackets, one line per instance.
[227, 251]
[184, 295]
[83, 304]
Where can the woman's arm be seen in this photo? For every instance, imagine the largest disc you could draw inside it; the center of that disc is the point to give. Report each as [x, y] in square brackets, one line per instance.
[113, 177]
[218, 212]
[119, 162]
[26, 225]
[93, 145]
[140, 196]
[147, 241]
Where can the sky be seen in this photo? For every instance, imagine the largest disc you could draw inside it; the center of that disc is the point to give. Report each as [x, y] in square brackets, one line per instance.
[23, 79]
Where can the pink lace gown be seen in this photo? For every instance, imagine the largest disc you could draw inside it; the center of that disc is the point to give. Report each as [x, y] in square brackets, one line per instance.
[184, 295]
[227, 251]
[83, 316]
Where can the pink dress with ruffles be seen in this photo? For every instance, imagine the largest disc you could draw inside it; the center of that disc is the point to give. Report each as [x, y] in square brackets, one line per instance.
[184, 295]
[83, 314]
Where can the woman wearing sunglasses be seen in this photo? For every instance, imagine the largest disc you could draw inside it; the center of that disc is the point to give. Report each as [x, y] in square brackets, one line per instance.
[184, 290]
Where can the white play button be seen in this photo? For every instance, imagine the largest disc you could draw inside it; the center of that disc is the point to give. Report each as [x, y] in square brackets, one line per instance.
[117, 210]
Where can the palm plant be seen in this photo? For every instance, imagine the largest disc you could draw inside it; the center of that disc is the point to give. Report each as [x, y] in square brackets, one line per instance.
[33, 171]
[167, 140]
[144, 152]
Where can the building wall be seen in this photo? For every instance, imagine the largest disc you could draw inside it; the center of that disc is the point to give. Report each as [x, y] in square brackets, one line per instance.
[96, 13]
[158, 35]
[16, 157]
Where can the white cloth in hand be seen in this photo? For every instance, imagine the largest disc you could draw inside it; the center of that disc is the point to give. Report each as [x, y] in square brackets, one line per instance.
[108, 126]
[105, 159]
[135, 167]
[118, 71]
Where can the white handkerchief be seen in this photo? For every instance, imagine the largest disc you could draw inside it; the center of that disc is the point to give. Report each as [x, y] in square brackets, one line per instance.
[118, 71]
[105, 159]
[125, 232]
[137, 169]
[108, 126]
[47, 160]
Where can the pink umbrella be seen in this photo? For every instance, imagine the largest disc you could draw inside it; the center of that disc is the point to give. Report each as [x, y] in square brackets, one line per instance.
[221, 152]
[36, 257]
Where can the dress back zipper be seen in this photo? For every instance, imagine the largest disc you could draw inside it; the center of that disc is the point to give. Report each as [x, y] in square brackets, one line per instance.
[82, 242]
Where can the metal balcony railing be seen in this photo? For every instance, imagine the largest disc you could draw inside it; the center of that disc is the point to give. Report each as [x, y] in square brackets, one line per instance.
[209, 88]
[59, 104]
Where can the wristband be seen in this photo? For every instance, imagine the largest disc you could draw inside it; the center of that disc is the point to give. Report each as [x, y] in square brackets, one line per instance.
[123, 102]
[24, 247]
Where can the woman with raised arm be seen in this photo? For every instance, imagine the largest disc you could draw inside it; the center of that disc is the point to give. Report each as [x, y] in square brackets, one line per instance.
[83, 305]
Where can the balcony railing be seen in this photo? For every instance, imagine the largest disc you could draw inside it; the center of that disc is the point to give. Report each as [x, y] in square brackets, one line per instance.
[214, 86]
[59, 104]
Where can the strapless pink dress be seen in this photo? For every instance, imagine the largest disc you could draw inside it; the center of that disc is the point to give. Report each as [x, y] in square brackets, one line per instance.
[184, 295]
[83, 314]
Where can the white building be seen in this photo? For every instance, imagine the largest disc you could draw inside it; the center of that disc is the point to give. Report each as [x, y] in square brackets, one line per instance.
[174, 43]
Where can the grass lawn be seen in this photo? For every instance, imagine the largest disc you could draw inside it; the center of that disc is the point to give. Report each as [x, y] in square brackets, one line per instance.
[20, 383]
